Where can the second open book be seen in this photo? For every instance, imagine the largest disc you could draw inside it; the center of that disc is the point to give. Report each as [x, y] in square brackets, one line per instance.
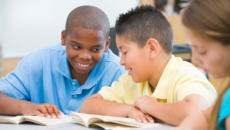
[109, 122]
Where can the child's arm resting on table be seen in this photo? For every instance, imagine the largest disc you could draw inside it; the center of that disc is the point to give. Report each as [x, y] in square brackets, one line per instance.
[227, 122]
[97, 105]
[172, 113]
[12, 106]
[197, 121]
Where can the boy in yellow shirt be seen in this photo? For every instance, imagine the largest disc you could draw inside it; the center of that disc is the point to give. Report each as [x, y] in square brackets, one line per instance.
[157, 84]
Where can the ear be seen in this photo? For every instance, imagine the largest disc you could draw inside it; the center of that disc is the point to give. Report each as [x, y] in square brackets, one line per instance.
[63, 38]
[152, 46]
[107, 44]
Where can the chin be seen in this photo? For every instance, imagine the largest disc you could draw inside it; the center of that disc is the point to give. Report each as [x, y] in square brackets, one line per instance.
[136, 80]
[83, 72]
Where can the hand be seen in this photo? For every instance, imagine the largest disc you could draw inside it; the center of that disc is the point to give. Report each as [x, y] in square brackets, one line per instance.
[139, 116]
[43, 110]
[143, 102]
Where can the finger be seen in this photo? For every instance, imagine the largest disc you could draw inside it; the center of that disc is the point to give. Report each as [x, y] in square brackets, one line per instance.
[138, 119]
[61, 112]
[38, 113]
[143, 119]
[50, 110]
[44, 111]
[149, 118]
[56, 111]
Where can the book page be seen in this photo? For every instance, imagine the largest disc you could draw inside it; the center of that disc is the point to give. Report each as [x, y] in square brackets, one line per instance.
[113, 126]
[84, 118]
[124, 121]
[10, 119]
[47, 121]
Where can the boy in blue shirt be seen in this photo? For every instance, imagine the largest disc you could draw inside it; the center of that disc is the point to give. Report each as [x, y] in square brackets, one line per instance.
[58, 78]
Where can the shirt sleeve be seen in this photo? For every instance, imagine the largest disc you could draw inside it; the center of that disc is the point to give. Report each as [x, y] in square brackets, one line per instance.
[115, 93]
[14, 83]
[17, 83]
[224, 110]
[118, 74]
[197, 86]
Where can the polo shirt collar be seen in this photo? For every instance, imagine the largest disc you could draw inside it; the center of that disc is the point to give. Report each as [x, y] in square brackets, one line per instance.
[63, 66]
[94, 76]
[162, 88]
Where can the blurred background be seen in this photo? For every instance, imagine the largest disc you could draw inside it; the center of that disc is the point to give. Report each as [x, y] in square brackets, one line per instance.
[28, 25]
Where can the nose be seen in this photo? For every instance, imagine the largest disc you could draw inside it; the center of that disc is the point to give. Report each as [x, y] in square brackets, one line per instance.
[86, 55]
[122, 61]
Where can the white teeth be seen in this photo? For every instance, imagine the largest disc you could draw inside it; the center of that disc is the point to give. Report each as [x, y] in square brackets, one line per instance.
[83, 65]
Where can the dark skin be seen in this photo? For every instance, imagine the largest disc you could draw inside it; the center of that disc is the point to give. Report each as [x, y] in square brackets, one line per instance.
[85, 49]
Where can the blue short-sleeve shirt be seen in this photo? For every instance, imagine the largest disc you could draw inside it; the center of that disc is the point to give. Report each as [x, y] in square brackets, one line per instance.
[224, 110]
[44, 77]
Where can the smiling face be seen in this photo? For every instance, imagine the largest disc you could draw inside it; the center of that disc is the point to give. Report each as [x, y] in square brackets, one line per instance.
[134, 58]
[210, 55]
[85, 49]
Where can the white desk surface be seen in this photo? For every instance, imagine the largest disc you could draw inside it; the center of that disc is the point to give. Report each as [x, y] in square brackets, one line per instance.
[64, 126]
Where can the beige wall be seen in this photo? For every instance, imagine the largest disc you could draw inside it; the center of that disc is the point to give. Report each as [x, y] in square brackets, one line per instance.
[9, 65]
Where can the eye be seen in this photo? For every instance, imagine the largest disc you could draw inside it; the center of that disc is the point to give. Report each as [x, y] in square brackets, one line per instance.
[202, 53]
[77, 47]
[97, 49]
[125, 53]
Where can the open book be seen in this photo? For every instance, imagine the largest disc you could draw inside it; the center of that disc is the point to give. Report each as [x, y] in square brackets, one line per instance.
[109, 122]
[36, 119]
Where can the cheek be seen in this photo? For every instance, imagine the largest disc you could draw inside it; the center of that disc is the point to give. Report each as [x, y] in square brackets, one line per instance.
[215, 64]
[70, 52]
[131, 60]
[97, 56]
[213, 60]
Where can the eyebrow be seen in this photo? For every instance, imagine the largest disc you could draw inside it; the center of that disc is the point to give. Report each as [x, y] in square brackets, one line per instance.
[81, 44]
[75, 42]
[120, 48]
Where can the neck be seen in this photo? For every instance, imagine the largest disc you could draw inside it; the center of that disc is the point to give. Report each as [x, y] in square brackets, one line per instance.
[81, 78]
[159, 65]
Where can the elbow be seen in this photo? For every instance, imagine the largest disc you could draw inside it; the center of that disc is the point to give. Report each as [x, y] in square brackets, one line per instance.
[190, 110]
[187, 112]
[86, 105]
[82, 110]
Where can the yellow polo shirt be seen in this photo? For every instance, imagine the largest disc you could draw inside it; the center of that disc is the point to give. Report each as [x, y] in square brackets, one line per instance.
[178, 80]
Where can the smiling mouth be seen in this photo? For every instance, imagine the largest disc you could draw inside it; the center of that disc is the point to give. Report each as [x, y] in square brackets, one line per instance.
[83, 65]
[129, 70]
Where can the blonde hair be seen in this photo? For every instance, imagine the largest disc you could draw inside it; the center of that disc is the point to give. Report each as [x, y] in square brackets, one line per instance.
[210, 19]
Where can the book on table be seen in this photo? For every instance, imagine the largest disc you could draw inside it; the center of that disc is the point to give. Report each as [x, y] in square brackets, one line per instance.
[110, 122]
[106, 122]
[36, 119]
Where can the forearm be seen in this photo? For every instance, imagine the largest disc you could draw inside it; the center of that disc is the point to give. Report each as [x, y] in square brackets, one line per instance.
[171, 113]
[97, 105]
[11, 106]
[195, 121]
